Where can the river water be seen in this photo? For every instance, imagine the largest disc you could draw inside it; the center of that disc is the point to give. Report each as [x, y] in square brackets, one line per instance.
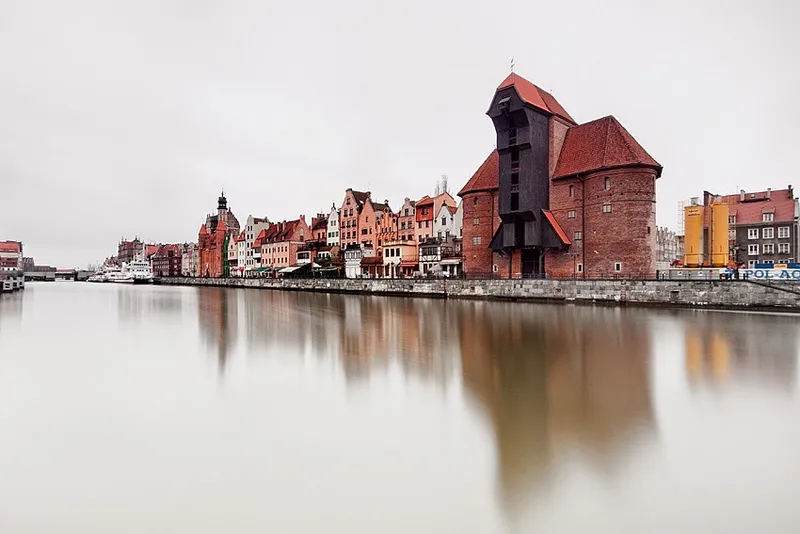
[169, 409]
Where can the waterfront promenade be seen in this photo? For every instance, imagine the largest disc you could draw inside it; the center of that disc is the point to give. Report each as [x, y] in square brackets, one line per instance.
[775, 296]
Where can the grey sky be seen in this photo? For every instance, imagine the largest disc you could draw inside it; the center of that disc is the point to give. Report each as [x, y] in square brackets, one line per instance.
[124, 118]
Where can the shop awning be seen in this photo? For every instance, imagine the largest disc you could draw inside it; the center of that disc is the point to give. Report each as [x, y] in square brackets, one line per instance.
[450, 261]
[291, 269]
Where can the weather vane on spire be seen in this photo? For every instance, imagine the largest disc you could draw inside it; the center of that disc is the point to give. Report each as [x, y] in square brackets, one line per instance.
[512, 64]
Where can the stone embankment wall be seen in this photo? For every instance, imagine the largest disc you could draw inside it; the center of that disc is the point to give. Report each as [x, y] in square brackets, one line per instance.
[778, 296]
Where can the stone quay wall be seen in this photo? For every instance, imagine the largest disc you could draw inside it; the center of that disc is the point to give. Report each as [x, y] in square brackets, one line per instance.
[730, 295]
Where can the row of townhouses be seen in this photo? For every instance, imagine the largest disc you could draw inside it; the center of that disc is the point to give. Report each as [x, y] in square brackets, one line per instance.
[554, 198]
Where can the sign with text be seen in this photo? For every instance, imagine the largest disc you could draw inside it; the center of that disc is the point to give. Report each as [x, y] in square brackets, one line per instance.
[771, 274]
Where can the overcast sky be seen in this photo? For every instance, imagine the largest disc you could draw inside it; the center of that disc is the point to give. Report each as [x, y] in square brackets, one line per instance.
[126, 118]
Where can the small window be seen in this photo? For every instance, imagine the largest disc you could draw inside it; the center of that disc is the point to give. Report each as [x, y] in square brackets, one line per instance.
[475, 240]
[512, 136]
[571, 214]
[648, 230]
[444, 221]
[751, 264]
[769, 248]
[731, 234]
[578, 235]
[514, 178]
[606, 183]
[580, 267]
[476, 221]
[767, 217]
[572, 190]
[783, 232]
[617, 265]
[475, 201]
[752, 233]
[731, 219]
[514, 201]
[606, 208]
[768, 233]
[783, 248]
[494, 268]
[752, 250]
[514, 156]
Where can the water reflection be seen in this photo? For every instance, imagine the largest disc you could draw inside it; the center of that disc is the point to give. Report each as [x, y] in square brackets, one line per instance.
[217, 314]
[552, 379]
[10, 309]
[720, 348]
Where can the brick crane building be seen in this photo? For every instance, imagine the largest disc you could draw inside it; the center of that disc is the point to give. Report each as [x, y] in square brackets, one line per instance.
[557, 198]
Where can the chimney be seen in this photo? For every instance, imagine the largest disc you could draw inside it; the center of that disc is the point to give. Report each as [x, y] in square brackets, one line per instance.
[791, 192]
[741, 195]
[303, 218]
[769, 193]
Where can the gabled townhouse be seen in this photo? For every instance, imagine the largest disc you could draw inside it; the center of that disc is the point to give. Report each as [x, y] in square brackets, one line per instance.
[406, 221]
[280, 242]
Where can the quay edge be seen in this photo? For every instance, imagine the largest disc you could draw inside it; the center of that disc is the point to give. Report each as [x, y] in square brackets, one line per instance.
[704, 294]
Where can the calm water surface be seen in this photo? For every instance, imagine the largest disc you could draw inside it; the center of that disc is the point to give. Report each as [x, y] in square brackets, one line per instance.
[157, 409]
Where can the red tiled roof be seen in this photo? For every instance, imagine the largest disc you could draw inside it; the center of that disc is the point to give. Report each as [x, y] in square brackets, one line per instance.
[600, 144]
[259, 238]
[371, 260]
[780, 203]
[280, 232]
[203, 230]
[163, 251]
[424, 201]
[150, 250]
[534, 96]
[320, 223]
[381, 206]
[486, 178]
[557, 227]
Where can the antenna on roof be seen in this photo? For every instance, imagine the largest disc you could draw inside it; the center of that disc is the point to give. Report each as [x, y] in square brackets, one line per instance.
[512, 64]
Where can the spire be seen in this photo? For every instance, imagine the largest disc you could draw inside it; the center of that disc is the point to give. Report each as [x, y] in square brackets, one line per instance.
[222, 201]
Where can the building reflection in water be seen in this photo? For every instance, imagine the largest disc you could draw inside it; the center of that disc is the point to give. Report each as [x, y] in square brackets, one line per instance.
[724, 347]
[556, 384]
[217, 314]
[11, 308]
[553, 379]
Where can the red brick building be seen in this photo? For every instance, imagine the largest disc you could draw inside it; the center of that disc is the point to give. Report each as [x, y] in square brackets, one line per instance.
[11, 255]
[167, 261]
[554, 189]
[280, 242]
[351, 222]
[212, 241]
[319, 228]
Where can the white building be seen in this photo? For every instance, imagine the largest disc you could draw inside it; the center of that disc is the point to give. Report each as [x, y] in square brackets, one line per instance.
[10, 255]
[333, 227]
[243, 253]
[448, 221]
[188, 259]
[252, 228]
[352, 260]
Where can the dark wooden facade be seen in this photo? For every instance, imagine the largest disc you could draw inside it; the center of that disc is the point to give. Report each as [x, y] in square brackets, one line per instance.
[523, 145]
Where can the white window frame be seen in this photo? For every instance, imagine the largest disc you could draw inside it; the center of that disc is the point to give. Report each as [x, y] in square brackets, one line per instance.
[476, 240]
[768, 262]
[731, 219]
[752, 233]
[752, 249]
[578, 235]
[751, 264]
[767, 217]
[768, 248]
[768, 233]
[606, 208]
[783, 248]
[580, 267]
[571, 214]
[494, 268]
[617, 266]
[784, 232]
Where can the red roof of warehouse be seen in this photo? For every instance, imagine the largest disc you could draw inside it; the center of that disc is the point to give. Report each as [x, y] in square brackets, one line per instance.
[534, 96]
[486, 178]
[601, 144]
